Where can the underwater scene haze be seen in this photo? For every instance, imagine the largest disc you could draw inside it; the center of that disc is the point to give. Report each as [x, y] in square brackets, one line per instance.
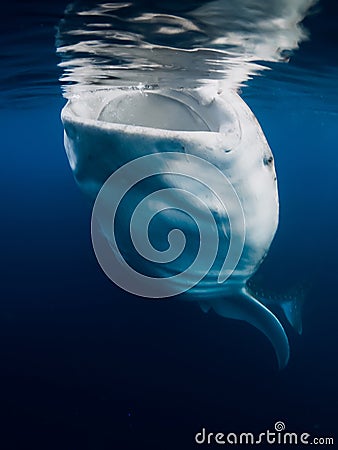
[86, 364]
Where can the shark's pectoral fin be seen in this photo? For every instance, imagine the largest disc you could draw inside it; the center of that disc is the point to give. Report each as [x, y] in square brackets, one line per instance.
[246, 307]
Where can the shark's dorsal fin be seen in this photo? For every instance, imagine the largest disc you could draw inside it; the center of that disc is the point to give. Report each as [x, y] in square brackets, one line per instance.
[291, 303]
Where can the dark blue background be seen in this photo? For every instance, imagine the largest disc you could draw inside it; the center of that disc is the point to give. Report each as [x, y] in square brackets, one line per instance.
[86, 366]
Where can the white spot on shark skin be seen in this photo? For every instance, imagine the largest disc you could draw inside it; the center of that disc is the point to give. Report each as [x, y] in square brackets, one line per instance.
[107, 128]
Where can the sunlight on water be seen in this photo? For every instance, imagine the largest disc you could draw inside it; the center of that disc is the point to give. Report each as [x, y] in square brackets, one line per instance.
[175, 45]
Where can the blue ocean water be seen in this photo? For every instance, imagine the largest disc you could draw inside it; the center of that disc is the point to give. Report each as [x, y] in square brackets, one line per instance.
[86, 365]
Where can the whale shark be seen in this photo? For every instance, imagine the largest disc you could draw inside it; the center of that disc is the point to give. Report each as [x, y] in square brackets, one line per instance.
[187, 134]
[181, 176]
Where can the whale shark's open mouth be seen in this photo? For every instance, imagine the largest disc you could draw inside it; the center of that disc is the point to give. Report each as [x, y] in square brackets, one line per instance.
[167, 109]
[155, 110]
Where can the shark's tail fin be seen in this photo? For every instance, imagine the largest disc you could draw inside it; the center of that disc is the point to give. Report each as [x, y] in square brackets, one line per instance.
[291, 304]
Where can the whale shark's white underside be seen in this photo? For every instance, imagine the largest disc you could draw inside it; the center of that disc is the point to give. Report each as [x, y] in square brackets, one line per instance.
[106, 129]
